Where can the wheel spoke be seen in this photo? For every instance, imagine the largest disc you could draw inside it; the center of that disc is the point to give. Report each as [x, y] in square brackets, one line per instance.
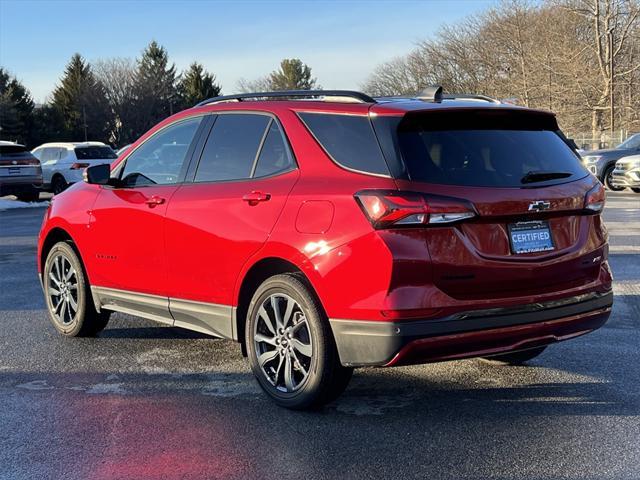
[267, 357]
[276, 311]
[266, 319]
[299, 364]
[304, 348]
[56, 265]
[54, 279]
[287, 312]
[288, 374]
[60, 302]
[54, 292]
[260, 338]
[73, 305]
[297, 326]
[70, 273]
[63, 310]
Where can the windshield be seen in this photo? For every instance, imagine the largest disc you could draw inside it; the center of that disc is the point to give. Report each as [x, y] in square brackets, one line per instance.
[486, 151]
[631, 142]
[95, 153]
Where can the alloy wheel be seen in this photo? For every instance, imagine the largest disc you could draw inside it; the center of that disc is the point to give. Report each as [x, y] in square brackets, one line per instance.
[63, 289]
[283, 342]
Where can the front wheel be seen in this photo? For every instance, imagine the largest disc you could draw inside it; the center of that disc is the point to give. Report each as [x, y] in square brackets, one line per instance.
[636, 190]
[608, 178]
[290, 345]
[68, 295]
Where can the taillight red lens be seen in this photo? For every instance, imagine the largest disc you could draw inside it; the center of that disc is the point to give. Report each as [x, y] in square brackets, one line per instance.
[595, 199]
[79, 166]
[386, 209]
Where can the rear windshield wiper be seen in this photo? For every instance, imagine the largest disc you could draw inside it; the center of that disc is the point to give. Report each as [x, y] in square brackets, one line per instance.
[532, 177]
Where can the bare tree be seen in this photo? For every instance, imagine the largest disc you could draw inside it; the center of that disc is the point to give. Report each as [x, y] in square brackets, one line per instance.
[579, 58]
[118, 78]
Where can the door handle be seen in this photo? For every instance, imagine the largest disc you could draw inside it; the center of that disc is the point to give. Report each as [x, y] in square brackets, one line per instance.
[255, 197]
[154, 201]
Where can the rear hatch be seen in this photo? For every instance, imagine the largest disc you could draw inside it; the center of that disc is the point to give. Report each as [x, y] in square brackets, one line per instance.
[18, 164]
[532, 223]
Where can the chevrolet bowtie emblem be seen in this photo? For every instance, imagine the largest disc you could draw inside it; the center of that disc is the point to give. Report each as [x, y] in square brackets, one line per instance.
[539, 206]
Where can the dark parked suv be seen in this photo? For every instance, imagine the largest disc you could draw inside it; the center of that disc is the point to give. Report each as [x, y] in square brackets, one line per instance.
[20, 172]
[330, 230]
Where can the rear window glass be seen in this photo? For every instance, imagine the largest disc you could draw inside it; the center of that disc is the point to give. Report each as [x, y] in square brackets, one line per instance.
[94, 153]
[8, 150]
[349, 140]
[495, 150]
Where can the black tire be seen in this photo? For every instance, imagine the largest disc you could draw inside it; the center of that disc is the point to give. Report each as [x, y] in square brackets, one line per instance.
[607, 179]
[58, 184]
[516, 358]
[30, 196]
[325, 377]
[636, 190]
[85, 321]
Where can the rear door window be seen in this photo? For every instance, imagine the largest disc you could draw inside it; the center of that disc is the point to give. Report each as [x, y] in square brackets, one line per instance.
[348, 139]
[232, 147]
[493, 150]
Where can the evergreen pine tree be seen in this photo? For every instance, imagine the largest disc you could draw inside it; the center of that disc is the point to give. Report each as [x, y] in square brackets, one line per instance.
[16, 110]
[196, 85]
[80, 102]
[292, 75]
[155, 87]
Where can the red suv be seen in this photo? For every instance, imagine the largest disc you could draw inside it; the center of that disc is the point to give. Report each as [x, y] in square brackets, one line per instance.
[329, 230]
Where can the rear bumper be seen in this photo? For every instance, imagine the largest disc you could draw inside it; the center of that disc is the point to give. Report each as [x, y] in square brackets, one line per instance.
[17, 184]
[470, 334]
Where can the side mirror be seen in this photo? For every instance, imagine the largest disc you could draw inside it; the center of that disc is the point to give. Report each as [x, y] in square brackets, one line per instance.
[97, 174]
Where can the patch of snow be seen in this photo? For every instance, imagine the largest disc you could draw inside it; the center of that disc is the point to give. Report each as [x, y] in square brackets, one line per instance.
[35, 385]
[7, 204]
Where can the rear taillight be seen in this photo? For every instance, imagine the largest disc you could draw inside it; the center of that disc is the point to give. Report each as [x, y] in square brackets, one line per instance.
[79, 166]
[389, 209]
[595, 198]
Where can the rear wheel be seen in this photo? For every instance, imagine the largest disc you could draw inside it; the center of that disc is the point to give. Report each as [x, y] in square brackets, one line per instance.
[516, 358]
[608, 177]
[637, 190]
[68, 296]
[290, 345]
[58, 184]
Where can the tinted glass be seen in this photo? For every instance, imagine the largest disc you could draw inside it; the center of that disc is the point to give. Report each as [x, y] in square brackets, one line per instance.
[159, 160]
[274, 156]
[12, 149]
[489, 152]
[232, 147]
[94, 153]
[349, 140]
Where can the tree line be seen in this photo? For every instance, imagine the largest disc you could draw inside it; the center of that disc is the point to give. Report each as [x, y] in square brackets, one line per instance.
[116, 100]
[578, 58]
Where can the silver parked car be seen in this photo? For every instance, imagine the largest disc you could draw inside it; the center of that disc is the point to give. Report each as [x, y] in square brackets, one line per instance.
[627, 173]
[63, 163]
[20, 172]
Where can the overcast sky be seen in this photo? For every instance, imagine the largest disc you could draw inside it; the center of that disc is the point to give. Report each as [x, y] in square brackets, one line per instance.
[342, 41]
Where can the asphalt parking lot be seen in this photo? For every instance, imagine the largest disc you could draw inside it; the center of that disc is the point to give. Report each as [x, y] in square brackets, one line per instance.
[150, 402]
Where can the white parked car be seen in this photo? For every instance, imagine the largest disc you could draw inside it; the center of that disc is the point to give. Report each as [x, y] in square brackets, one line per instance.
[63, 163]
